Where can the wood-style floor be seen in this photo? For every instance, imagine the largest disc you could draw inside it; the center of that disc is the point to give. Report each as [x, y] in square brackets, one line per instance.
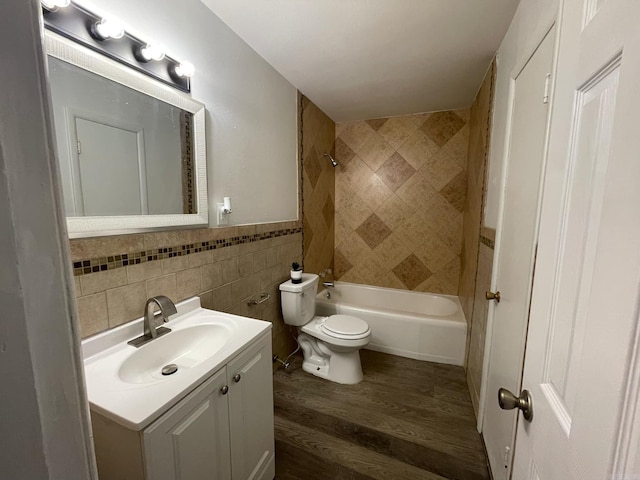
[407, 420]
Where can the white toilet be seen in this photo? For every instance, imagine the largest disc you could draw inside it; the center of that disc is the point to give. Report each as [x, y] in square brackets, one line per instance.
[330, 344]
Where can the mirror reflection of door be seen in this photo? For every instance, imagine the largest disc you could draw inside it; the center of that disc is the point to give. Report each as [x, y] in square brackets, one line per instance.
[111, 168]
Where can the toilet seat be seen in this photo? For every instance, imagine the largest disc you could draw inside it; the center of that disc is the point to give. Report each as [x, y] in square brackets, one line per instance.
[345, 327]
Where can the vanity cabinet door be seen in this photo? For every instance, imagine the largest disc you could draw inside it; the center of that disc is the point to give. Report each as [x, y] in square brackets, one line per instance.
[191, 441]
[250, 379]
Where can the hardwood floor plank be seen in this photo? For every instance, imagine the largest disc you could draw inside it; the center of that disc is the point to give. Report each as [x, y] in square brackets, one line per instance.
[346, 454]
[435, 461]
[293, 463]
[406, 419]
[447, 436]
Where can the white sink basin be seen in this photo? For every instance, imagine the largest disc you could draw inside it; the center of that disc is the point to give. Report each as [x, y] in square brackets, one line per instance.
[185, 348]
[125, 383]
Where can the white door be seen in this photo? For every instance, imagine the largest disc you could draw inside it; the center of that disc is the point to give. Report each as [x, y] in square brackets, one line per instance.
[191, 441]
[250, 381]
[581, 363]
[516, 254]
[110, 160]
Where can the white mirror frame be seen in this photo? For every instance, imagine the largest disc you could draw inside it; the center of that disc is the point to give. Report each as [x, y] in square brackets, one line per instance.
[92, 226]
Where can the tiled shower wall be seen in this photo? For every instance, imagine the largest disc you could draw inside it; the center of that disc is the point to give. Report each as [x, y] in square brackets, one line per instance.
[479, 134]
[317, 136]
[400, 194]
[477, 245]
[225, 267]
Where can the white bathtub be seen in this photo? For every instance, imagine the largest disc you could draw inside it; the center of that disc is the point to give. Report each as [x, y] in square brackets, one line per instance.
[416, 325]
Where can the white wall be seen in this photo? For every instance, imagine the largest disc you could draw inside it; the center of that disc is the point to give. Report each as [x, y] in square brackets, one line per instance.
[98, 99]
[251, 108]
[526, 30]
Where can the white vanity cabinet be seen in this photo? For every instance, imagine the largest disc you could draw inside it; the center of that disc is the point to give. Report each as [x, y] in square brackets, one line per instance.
[223, 430]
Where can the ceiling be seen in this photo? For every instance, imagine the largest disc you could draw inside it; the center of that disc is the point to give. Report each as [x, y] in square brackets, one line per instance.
[362, 59]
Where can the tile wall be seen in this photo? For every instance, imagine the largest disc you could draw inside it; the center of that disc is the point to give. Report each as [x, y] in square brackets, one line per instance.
[317, 136]
[479, 135]
[226, 267]
[400, 194]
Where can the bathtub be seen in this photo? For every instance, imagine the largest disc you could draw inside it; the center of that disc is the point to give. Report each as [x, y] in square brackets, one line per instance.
[423, 326]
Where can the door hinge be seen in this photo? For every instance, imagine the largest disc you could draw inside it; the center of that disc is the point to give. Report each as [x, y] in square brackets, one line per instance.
[79, 147]
[547, 85]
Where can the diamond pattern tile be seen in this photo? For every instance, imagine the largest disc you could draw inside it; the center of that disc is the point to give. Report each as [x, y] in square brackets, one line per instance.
[312, 167]
[377, 123]
[412, 272]
[373, 231]
[455, 191]
[441, 126]
[344, 154]
[375, 192]
[397, 129]
[342, 265]
[375, 152]
[398, 201]
[395, 171]
[328, 212]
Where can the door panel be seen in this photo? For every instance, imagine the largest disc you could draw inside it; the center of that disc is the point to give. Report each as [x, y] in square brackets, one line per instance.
[516, 254]
[583, 334]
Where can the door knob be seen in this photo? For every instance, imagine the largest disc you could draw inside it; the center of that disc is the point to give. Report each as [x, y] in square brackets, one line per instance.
[492, 296]
[236, 377]
[508, 401]
[224, 390]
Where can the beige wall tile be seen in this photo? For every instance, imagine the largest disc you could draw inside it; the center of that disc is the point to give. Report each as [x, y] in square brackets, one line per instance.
[86, 248]
[245, 265]
[189, 283]
[92, 314]
[211, 275]
[143, 271]
[101, 281]
[230, 271]
[221, 297]
[126, 303]
[165, 285]
[170, 265]
[200, 258]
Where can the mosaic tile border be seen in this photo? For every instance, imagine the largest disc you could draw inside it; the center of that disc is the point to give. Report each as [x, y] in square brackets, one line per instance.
[487, 241]
[111, 262]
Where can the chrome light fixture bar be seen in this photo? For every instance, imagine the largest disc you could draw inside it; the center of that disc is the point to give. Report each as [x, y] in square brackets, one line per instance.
[106, 37]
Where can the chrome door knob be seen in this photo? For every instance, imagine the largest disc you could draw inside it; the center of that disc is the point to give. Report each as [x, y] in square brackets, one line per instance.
[224, 390]
[236, 377]
[492, 296]
[508, 401]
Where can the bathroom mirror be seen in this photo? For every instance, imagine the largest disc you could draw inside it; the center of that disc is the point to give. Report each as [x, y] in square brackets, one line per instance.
[132, 150]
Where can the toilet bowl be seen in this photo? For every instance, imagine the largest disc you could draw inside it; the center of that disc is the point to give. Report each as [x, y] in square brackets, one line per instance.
[331, 345]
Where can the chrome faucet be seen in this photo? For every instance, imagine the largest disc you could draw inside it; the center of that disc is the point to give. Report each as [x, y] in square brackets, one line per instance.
[167, 308]
[327, 285]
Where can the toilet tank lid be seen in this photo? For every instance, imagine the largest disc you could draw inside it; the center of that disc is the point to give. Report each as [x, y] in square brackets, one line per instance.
[307, 280]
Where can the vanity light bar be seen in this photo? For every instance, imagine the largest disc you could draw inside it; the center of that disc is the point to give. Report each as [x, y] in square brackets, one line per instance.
[106, 36]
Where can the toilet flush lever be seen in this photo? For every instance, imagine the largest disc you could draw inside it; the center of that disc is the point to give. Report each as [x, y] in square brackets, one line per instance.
[492, 296]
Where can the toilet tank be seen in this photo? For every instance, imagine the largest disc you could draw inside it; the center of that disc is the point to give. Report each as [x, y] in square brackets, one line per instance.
[299, 300]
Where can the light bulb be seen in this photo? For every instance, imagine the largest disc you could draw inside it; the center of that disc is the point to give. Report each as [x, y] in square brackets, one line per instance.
[53, 5]
[185, 69]
[152, 52]
[108, 28]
